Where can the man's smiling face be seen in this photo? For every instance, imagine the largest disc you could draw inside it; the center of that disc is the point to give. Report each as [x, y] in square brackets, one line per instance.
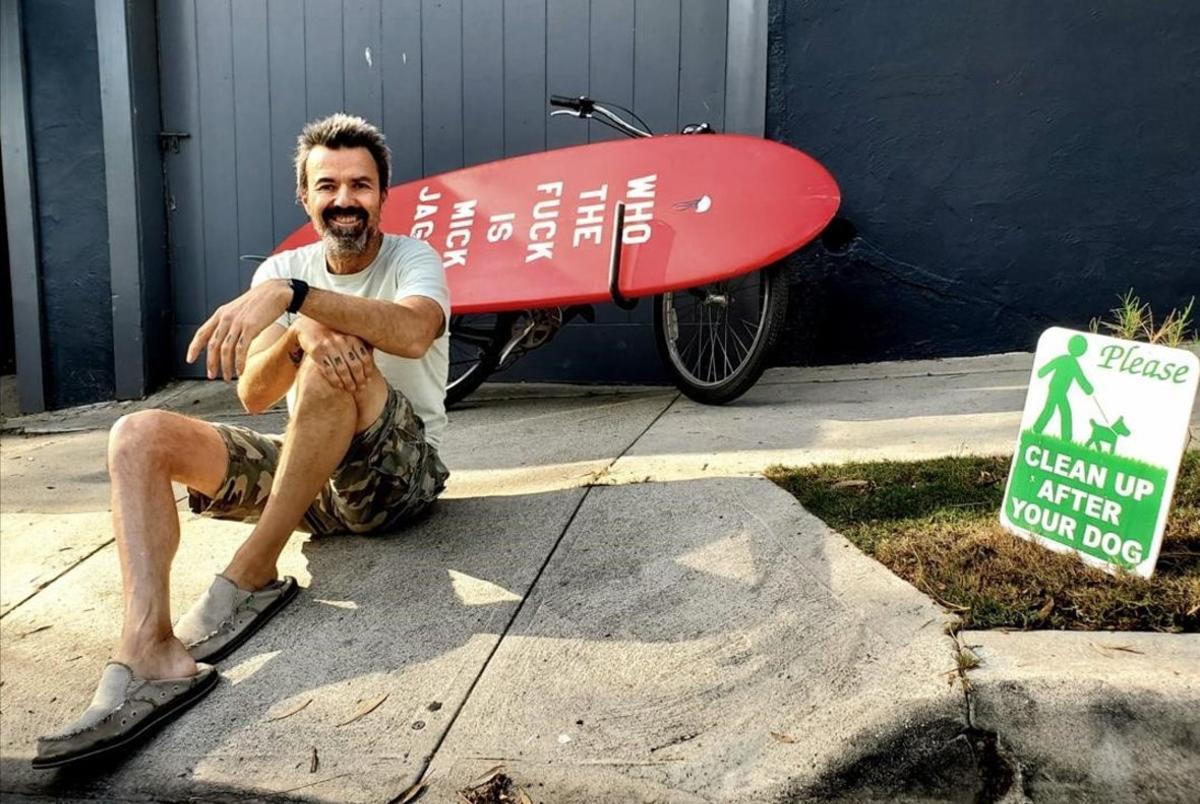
[343, 198]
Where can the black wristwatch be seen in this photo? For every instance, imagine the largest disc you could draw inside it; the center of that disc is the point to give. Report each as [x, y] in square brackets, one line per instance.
[299, 292]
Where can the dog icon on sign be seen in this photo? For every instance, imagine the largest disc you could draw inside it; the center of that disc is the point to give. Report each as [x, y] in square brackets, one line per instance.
[1105, 438]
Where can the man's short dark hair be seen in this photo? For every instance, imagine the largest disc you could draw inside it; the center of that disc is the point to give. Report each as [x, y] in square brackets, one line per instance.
[342, 131]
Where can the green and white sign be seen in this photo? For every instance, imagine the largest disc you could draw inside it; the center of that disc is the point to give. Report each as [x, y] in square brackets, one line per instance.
[1105, 426]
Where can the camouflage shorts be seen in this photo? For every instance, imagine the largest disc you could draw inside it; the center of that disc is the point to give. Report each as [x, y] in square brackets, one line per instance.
[389, 474]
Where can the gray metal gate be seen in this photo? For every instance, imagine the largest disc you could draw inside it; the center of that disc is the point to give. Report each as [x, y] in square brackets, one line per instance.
[451, 82]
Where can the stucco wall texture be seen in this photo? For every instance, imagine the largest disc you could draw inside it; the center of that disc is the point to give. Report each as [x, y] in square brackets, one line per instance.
[68, 147]
[1004, 167]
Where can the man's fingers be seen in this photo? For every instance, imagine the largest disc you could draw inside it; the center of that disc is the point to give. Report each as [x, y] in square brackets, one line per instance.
[329, 373]
[341, 377]
[369, 367]
[213, 361]
[200, 339]
[228, 354]
[364, 357]
[343, 370]
[345, 354]
[357, 369]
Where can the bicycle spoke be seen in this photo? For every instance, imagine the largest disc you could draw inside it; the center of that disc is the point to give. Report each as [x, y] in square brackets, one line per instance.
[717, 327]
[693, 343]
[745, 349]
[725, 349]
[712, 346]
[720, 330]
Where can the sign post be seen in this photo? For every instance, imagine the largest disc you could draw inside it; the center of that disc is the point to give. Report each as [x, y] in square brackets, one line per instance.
[1104, 429]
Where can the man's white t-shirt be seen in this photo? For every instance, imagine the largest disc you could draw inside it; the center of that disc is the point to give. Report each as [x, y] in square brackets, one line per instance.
[404, 267]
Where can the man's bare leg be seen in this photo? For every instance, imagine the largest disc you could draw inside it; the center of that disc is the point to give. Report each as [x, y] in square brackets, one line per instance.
[149, 449]
[321, 427]
[146, 451]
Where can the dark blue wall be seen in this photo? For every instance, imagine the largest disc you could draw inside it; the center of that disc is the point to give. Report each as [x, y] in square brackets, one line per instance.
[68, 150]
[1004, 166]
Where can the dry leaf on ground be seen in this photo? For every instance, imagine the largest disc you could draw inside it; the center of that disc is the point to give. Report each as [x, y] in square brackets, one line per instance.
[364, 710]
[293, 710]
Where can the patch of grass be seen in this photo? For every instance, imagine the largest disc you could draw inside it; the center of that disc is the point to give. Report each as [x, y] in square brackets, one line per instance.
[936, 524]
[1133, 319]
[965, 660]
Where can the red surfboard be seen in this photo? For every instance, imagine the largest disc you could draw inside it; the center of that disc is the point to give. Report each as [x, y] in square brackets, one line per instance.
[536, 231]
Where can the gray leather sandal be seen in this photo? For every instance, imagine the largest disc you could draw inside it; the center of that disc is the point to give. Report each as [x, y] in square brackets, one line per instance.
[225, 616]
[124, 709]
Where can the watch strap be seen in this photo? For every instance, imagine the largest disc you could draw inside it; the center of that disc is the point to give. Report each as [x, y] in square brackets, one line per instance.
[299, 292]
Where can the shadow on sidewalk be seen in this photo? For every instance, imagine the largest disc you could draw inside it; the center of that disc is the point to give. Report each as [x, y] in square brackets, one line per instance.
[692, 593]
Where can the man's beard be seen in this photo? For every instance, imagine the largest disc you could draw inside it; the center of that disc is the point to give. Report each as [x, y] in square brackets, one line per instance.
[346, 242]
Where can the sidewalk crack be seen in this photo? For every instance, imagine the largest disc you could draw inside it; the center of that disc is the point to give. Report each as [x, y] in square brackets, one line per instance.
[587, 490]
[46, 583]
[999, 771]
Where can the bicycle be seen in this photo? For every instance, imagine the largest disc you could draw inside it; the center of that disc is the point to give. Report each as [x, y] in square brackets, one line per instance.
[714, 340]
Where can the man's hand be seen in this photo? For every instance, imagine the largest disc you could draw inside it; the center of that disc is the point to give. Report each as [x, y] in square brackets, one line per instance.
[228, 332]
[345, 360]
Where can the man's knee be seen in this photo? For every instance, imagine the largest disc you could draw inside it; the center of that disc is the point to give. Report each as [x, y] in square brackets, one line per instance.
[311, 381]
[139, 438]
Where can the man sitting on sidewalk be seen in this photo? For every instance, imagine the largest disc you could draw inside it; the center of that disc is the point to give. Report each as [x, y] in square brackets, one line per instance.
[317, 324]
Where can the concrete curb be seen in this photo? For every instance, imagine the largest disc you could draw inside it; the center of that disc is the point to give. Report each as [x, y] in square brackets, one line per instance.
[1091, 716]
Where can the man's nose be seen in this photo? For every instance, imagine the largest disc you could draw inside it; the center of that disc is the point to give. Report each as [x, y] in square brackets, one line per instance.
[344, 197]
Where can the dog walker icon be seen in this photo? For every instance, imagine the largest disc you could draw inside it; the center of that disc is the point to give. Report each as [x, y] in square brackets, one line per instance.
[1066, 372]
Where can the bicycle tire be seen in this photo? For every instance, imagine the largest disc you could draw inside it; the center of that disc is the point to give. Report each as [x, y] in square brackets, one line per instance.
[721, 387]
[484, 334]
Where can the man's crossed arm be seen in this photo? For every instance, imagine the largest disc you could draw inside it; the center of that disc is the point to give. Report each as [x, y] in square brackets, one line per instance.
[243, 340]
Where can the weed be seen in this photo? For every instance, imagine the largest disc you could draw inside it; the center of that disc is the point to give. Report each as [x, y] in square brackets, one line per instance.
[966, 660]
[1174, 328]
[1133, 319]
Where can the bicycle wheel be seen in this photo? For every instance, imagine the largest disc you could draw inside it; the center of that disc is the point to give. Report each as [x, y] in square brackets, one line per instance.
[714, 340]
[476, 341]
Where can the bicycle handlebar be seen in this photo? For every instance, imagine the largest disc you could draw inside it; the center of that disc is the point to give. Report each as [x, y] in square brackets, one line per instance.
[580, 104]
[585, 107]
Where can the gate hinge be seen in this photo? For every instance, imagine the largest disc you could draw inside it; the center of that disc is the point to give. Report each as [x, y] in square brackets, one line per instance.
[169, 140]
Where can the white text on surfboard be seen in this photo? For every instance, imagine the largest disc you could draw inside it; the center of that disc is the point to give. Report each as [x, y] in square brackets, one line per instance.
[462, 219]
[500, 227]
[459, 235]
[639, 209]
[591, 214]
[545, 223]
[589, 218]
[422, 225]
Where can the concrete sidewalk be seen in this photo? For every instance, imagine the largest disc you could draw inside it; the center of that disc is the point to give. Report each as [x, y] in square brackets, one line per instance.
[610, 602]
